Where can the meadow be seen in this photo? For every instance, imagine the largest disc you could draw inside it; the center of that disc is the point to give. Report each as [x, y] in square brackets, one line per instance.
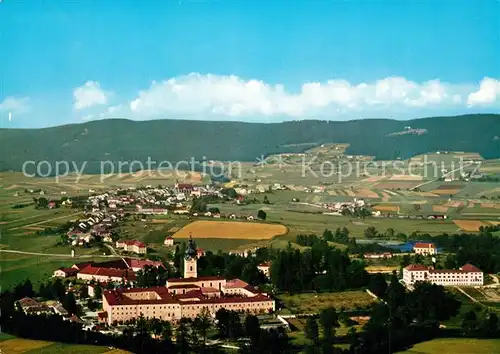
[455, 346]
[306, 303]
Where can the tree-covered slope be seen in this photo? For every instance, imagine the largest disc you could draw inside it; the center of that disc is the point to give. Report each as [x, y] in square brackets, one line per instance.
[176, 140]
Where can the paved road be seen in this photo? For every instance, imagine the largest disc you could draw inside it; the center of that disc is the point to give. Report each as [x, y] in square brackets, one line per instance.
[57, 254]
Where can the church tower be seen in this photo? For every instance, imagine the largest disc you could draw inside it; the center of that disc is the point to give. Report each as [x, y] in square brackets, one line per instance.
[190, 260]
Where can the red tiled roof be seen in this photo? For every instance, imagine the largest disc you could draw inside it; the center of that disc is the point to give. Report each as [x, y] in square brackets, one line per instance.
[140, 263]
[424, 245]
[416, 267]
[265, 264]
[193, 280]
[235, 283]
[102, 315]
[185, 186]
[470, 268]
[28, 302]
[118, 297]
[108, 272]
[133, 243]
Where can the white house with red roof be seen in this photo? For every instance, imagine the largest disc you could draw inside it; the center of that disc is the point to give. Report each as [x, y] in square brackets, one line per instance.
[134, 246]
[169, 241]
[425, 248]
[467, 275]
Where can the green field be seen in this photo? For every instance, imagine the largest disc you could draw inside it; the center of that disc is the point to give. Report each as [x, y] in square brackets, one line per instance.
[13, 345]
[307, 303]
[456, 346]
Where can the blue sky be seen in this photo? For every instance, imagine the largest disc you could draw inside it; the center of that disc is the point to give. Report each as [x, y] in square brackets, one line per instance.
[71, 61]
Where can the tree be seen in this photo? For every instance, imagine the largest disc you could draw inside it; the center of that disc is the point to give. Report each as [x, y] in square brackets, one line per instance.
[252, 328]
[202, 324]
[396, 294]
[450, 262]
[329, 320]
[266, 201]
[378, 285]
[182, 335]
[261, 215]
[431, 302]
[390, 233]
[311, 330]
[84, 292]
[69, 303]
[469, 323]
[222, 319]
[97, 291]
[371, 232]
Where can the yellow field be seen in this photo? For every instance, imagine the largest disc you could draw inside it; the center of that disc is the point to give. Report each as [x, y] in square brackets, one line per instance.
[469, 225]
[18, 345]
[494, 222]
[228, 229]
[440, 208]
[445, 191]
[386, 207]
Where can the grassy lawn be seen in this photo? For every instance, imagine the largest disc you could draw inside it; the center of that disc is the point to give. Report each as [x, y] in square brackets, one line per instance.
[315, 302]
[456, 346]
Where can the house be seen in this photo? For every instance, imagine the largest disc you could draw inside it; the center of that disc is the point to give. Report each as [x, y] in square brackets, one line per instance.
[134, 246]
[385, 255]
[467, 275]
[65, 272]
[424, 248]
[103, 275]
[52, 205]
[58, 309]
[169, 241]
[200, 252]
[184, 188]
[31, 306]
[265, 268]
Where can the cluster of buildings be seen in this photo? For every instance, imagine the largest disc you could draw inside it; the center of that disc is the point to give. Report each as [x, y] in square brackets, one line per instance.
[122, 270]
[33, 307]
[133, 246]
[184, 297]
[97, 223]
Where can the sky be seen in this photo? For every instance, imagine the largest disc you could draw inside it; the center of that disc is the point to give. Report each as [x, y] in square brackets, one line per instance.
[65, 62]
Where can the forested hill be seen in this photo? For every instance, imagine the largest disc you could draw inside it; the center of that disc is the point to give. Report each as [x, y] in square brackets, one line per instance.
[176, 140]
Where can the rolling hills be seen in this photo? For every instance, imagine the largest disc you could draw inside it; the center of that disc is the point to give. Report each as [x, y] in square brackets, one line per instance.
[181, 140]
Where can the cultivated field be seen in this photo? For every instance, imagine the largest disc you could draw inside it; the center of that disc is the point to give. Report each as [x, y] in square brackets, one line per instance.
[228, 229]
[13, 345]
[469, 225]
[456, 346]
[307, 303]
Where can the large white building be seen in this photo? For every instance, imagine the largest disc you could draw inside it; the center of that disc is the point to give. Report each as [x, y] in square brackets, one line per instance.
[184, 297]
[467, 275]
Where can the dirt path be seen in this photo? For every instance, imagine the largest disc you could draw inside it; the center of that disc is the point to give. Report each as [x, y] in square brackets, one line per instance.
[443, 176]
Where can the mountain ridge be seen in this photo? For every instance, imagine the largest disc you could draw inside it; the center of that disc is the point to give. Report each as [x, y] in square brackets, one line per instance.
[179, 140]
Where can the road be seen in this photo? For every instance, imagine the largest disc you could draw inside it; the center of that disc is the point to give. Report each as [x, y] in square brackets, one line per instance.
[40, 222]
[58, 254]
[443, 176]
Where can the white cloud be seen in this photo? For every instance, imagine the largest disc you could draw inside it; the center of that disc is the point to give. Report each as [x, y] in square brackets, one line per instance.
[201, 95]
[489, 92]
[15, 105]
[89, 94]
